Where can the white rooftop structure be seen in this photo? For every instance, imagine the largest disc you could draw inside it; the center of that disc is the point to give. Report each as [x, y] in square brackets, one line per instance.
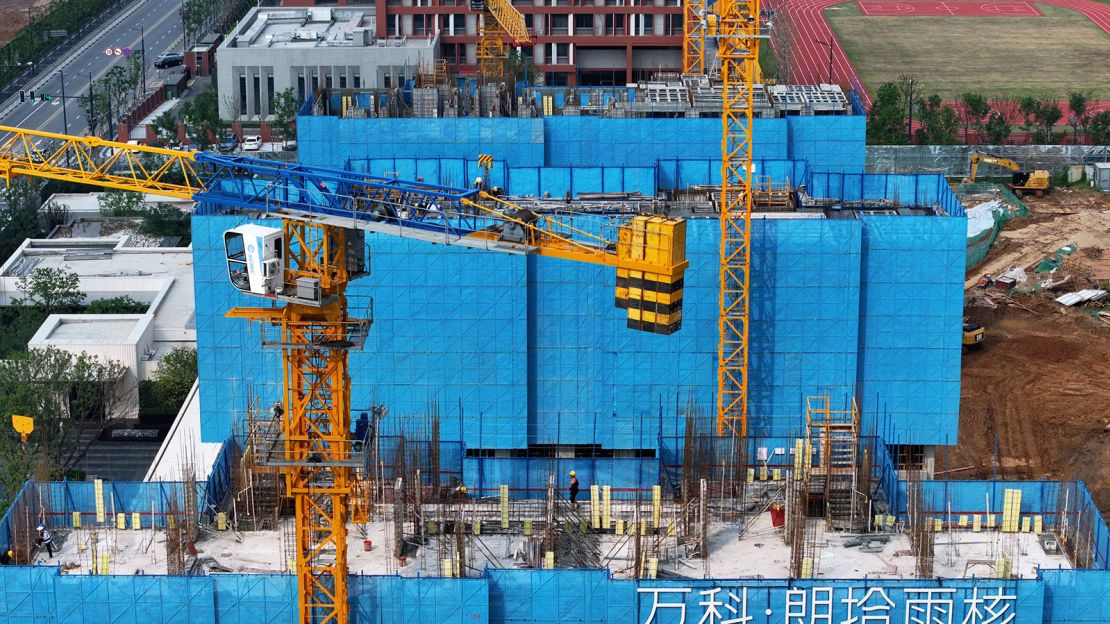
[307, 50]
[111, 266]
[305, 28]
[88, 204]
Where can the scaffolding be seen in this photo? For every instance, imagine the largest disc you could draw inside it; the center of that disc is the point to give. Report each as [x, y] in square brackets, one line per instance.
[837, 475]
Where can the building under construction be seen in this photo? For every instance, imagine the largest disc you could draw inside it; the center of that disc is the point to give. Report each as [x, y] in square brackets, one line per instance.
[486, 379]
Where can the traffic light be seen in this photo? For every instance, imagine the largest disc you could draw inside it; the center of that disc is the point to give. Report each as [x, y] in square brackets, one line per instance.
[31, 94]
[22, 95]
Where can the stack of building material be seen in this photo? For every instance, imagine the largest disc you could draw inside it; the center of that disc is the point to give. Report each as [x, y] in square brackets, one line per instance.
[425, 102]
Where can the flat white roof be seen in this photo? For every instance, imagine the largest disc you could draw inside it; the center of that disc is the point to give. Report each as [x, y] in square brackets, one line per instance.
[88, 329]
[85, 204]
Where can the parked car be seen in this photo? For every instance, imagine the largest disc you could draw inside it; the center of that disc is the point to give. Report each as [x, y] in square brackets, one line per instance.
[169, 59]
[289, 146]
[228, 143]
[252, 143]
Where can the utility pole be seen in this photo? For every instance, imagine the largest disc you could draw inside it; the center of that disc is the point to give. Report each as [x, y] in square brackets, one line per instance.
[909, 112]
[829, 45]
[142, 46]
[65, 118]
[92, 107]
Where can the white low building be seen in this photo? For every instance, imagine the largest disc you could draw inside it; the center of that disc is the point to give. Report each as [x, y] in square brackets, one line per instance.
[108, 267]
[306, 50]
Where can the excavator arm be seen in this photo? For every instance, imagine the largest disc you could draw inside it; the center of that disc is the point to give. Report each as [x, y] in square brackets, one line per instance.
[978, 157]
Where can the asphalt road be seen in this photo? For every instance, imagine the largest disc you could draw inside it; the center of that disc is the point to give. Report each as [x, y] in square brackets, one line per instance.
[163, 33]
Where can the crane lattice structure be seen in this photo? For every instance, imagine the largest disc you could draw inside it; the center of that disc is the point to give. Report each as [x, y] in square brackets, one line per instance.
[694, 16]
[325, 214]
[499, 20]
[738, 50]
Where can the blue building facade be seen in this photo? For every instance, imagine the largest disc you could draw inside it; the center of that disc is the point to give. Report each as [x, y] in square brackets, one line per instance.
[518, 351]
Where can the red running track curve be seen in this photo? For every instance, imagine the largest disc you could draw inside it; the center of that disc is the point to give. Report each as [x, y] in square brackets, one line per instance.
[811, 59]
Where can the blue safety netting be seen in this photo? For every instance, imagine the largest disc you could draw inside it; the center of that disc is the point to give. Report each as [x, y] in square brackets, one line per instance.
[527, 350]
[828, 143]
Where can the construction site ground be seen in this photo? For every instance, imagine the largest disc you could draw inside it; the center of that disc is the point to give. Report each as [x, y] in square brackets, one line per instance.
[959, 553]
[14, 17]
[1040, 384]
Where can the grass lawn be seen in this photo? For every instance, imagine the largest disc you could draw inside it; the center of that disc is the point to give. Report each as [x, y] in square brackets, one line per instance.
[995, 56]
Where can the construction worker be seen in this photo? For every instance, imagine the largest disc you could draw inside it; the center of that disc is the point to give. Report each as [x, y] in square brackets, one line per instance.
[479, 183]
[362, 431]
[7, 557]
[459, 493]
[573, 488]
[46, 538]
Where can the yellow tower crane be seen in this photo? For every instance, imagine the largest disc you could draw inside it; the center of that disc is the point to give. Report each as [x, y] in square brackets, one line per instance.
[735, 27]
[738, 50]
[304, 267]
[498, 19]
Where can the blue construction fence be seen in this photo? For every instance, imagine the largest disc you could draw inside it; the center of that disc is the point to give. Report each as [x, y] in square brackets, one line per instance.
[501, 596]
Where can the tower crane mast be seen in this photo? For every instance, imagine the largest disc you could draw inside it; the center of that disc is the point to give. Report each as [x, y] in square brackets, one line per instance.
[304, 268]
[499, 20]
[735, 27]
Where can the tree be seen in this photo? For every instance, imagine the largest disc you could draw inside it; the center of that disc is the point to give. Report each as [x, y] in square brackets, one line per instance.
[165, 127]
[116, 305]
[175, 375]
[1080, 116]
[53, 214]
[50, 290]
[1029, 107]
[939, 122]
[55, 388]
[285, 113]
[117, 203]
[886, 121]
[997, 128]
[202, 120]
[974, 109]
[19, 205]
[166, 220]
[1099, 128]
[1046, 116]
[198, 15]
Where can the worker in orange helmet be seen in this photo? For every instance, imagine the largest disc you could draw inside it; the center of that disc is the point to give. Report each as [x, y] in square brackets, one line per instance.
[574, 489]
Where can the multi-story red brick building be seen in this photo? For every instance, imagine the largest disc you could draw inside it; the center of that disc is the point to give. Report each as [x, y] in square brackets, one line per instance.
[577, 42]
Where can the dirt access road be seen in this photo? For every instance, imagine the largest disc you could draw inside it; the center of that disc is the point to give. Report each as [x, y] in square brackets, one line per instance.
[1041, 383]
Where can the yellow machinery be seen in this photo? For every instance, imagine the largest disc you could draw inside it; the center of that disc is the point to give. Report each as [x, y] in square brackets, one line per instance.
[735, 27]
[694, 27]
[1038, 181]
[499, 19]
[974, 335]
[24, 426]
[303, 268]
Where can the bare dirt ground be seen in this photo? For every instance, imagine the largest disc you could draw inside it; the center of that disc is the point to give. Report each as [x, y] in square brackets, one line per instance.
[1041, 382]
[14, 16]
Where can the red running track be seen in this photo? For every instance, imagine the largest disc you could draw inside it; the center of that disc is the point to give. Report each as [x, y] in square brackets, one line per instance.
[811, 59]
